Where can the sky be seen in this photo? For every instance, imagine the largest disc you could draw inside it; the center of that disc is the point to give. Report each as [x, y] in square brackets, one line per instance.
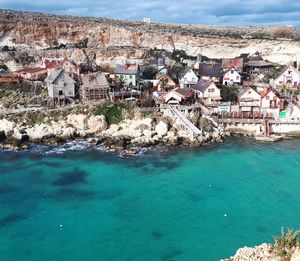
[222, 12]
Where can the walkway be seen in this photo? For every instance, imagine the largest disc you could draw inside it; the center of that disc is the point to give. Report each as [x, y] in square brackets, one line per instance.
[185, 122]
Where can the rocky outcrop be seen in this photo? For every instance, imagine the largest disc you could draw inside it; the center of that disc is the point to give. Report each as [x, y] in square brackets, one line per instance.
[111, 41]
[148, 132]
[74, 126]
[263, 252]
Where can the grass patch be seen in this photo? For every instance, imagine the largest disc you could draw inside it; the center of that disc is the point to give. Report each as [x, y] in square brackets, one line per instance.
[114, 111]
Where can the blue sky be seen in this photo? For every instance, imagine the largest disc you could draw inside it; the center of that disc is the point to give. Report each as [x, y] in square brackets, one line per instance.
[240, 12]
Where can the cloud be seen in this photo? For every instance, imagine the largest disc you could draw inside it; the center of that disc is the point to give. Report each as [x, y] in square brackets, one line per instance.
[176, 11]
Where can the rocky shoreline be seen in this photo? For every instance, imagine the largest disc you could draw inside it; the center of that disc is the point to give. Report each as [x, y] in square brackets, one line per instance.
[263, 252]
[125, 137]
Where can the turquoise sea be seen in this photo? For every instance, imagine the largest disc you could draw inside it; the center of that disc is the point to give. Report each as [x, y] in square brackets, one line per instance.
[201, 204]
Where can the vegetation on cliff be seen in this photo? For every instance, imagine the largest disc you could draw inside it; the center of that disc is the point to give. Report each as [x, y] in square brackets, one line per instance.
[285, 245]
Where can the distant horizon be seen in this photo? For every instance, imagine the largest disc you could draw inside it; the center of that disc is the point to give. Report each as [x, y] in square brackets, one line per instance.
[200, 12]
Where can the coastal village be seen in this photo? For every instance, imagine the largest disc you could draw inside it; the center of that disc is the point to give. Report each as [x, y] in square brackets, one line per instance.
[245, 93]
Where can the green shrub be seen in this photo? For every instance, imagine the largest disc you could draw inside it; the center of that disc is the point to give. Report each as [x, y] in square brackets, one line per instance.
[285, 244]
[114, 111]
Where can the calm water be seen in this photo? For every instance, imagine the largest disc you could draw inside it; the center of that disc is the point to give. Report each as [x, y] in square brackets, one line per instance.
[194, 204]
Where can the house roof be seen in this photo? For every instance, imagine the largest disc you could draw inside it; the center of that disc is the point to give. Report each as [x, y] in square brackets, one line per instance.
[202, 85]
[243, 91]
[184, 72]
[50, 64]
[267, 91]
[127, 69]
[237, 63]
[54, 75]
[184, 92]
[287, 67]
[232, 68]
[70, 61]
[94, 80]
[32, 70]
[258, 63]
[210, 69]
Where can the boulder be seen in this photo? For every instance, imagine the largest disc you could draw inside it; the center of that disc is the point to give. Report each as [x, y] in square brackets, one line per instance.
[162, 128]
[148, 133]
[7, 127]
[96, 124]
[77, 121]
[296, 255]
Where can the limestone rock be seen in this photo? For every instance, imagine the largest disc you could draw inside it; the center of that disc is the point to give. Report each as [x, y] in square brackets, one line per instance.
[162, 128]
[7, 126]
[96, 124]
[77, 121]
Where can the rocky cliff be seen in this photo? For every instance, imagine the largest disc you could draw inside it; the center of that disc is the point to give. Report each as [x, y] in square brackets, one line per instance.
[110, 41]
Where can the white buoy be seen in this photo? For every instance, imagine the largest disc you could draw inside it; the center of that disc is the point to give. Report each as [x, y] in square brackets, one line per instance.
[225, 215]
[60, 225]
[210, 186]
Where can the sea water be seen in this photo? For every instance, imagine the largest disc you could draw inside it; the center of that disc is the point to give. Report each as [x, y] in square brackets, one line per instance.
[79, 203]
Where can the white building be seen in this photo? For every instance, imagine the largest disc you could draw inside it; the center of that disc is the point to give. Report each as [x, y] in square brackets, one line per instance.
[188, 78]
[289, 77]
[231, 77]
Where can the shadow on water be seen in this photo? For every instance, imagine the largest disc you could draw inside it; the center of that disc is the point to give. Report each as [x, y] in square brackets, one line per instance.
[70, 194]
[156, 235]
[11, 219]
[4, 190]
[70, 178]
[170, 254]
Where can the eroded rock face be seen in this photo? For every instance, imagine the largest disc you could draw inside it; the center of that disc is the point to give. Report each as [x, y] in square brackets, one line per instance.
[96, 124]
[262, 252]
[162, 128]
[111, 41]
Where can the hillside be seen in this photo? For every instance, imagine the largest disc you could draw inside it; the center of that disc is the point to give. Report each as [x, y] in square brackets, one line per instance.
[110, 41]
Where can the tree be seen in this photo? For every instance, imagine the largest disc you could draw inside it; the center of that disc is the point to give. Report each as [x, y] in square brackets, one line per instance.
[120, 81]
[175, 70]
[228, 93]
[149, 72]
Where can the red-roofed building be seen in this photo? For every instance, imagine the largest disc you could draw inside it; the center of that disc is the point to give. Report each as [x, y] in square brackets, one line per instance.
[237, 63]
[270, 100]
[32, 74]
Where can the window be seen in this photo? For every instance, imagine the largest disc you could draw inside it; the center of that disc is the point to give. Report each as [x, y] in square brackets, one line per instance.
[295, 83]
[130, 76]
[211, 90]
[289, 72]
[231, 71]
[249, 92]
[60, 93]
[238, 78]
[267, 97]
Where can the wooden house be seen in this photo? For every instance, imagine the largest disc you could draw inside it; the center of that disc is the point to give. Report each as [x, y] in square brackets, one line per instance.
[249, 101]
[289, 77]
[256, 66]
[60, 85]
[232, 76]
[130, 73]
[270, 100]
[180, 96]
[70, 67]
[210, 71]
[187, 78]
[94, 87]
[165, 82]
[32, 74]
[208, 92]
